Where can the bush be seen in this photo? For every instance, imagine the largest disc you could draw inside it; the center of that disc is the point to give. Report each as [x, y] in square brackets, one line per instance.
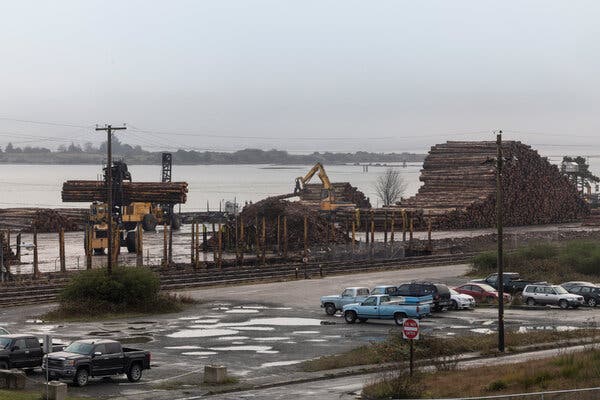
[392, 386]
[537, 251]
[485, 261]
[584, 257]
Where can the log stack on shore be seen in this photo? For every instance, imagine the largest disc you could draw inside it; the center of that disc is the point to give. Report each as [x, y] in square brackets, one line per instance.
[343, 191]
[154, 192]
[44, 220]
[459, 187]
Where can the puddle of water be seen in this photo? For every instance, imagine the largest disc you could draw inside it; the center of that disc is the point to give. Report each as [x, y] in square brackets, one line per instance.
[135, 339]
[254, 328]
[268, 352]
[485, 331]
[242, 311]
[459, 327]
[196, 333]
[240, 343]
[220, 308]
[270, 339]
[290, 342]
[560, 328]
[316, 340]
[450, 333]
[34, 321]
[183, 347]
[189, 318]
[199, 353]
[486, 323]
[206, 321]
[242, 348]
[280, 363]
[332, 336]
[233, 338]
[305, 332]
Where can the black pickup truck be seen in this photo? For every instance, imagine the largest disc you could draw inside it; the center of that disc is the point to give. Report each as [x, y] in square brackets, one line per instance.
[22, 351]
[513, 283]
[83, 359]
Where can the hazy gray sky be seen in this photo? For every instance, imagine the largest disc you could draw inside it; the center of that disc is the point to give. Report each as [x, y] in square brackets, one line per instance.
[301, 75]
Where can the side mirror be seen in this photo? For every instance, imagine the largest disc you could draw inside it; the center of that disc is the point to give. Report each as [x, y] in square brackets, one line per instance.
[97, 353]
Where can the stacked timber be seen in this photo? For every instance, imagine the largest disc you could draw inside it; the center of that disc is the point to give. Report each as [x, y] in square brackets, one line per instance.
[459, 187]
[343, 191]
[43, 219]
[154, 192]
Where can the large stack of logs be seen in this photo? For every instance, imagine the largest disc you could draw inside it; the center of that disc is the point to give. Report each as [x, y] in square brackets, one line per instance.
[343, 191]
[155, 192]
[43, 219]
[320, 231]
[459, 189]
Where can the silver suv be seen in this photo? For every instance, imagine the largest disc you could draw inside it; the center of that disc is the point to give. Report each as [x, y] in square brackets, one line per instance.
[550, 294]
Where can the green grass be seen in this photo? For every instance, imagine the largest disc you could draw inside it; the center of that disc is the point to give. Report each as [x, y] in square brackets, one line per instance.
[395, 349]
[568, 371]
[552, 262]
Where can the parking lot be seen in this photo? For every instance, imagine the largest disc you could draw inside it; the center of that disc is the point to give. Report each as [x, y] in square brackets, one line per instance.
[263, 331]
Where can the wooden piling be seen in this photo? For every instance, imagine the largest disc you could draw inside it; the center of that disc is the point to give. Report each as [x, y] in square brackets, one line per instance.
[366, 230]
[193, 245]
[61, 250]
[197, 247]
[264, 240]
[243, 242]
[404, 224]
[278, 235]
[88, 247]
[353, 237]
[257, 239]
[285, 237]
[305, 236]
[36, 270]
[165, 259]
[139, 245]
[220, 247]
[385, 227]
[392, 222]
[170, 245]
[18, 247]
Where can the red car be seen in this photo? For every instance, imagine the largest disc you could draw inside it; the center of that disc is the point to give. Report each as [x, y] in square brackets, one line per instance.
[481, 292]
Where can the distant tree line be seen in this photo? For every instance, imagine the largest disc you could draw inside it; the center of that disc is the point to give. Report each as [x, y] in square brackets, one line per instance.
[247, 156]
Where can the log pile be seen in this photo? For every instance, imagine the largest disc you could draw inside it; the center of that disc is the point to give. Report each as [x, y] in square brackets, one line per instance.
[44, 219]
[154, 192]
[459, 187]
[343, 191]
[320, 229]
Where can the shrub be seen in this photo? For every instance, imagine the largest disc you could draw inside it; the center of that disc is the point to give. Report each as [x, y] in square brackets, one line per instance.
[124, 290]
[485, 261]
[537, 251]
[496, 386]
[392, 386]
[584, 257]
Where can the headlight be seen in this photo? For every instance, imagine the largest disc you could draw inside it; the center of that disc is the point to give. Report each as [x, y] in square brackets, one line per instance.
[69, 363]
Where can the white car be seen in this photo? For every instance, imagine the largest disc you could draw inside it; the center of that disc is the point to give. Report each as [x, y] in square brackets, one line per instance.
[461, 301]
[537, 294]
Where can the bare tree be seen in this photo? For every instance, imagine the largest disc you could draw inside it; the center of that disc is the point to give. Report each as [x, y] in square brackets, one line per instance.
[390, 186]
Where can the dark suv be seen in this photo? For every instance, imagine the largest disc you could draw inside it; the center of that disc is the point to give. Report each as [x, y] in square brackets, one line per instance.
[439, 292]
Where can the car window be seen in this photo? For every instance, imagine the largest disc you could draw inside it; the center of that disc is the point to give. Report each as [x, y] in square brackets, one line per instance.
[100, 348]
[391, 291]
[20, 343]
[377, 291]
[492, 279]
[428, 289]
[385, 298]
[113, 348]
[549, 290]
[477, 289]
[576, 289]
[404, 290]
[559, 290]
[363, 292]
[530, 289]
[370, 301]
[585, 289]
[32, 343]
[347, 292]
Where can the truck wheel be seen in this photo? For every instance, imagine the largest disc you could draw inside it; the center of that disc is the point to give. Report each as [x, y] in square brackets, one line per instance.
[399, 318]
[135, 373]
[454, 305]
[149, 222]
[563, 304]
[82, 376]
[350, 317]
[175, 222]
[330, 309]
[131, 242]
[530, 302]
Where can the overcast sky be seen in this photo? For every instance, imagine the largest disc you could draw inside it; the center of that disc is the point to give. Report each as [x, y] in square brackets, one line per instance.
[301, 75]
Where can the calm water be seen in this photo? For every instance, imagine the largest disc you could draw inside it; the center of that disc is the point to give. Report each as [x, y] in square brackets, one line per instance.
[40, 185]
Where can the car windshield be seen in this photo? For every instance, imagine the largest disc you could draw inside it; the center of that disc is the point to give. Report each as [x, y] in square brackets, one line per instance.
[4, 342]
[453, 292]
[487, 288]
[560, 290]
[79, 348]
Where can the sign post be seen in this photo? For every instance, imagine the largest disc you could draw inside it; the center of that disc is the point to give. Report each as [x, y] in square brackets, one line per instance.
[410, 331]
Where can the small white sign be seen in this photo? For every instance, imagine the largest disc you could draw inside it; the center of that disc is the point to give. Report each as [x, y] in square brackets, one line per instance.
[410, 329]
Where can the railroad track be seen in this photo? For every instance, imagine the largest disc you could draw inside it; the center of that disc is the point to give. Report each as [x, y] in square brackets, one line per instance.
[35, 292]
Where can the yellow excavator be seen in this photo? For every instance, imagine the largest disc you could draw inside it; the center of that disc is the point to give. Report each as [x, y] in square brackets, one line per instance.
[328, 201]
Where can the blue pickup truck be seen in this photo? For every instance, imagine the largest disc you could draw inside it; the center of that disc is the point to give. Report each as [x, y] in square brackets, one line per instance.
[383, 307]
[336, 302]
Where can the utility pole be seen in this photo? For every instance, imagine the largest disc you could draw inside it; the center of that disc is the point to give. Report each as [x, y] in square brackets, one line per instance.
[499, 211]
[109, 189]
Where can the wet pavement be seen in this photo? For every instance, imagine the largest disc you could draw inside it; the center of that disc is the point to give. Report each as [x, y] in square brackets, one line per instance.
[262, 332]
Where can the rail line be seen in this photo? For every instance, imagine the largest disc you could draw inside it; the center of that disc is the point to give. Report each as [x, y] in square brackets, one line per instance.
[38, 291]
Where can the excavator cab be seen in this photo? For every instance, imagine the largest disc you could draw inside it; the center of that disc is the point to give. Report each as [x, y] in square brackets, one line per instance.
[328, 202]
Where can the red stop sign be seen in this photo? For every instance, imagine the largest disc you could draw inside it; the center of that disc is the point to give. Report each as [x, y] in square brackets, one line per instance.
[410, 329]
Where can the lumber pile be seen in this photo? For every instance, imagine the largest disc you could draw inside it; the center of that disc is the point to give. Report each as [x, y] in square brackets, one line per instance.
[320, 229]
[43, 219]
[343, 191]
[155, 192]
[459, 187]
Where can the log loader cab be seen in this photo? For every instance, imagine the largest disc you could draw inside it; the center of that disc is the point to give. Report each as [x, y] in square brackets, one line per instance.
[328, 201]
